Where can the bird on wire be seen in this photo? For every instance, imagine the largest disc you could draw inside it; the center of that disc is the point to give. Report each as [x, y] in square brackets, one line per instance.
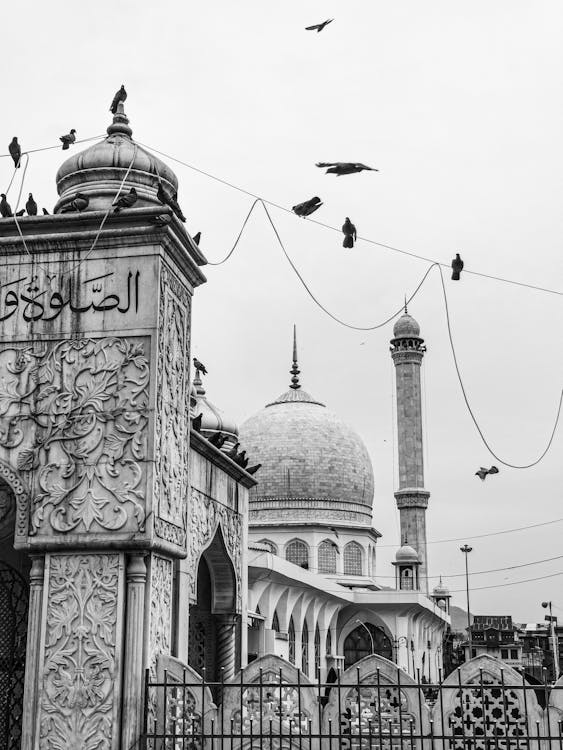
[126, 200]
[196, 238]
[253, 469]
[79, 203]
[68, 139]
[233, 452]
[31, 206]
[482, 473]
[457, 267]
[319, 26]
[344, 167]
[15, 151]
[5, 208]
[170, 200]
[196, 422]
[200, 366]
[307, 207]
[20, 212]
[121, 96]
[45, 212]
[350, 234]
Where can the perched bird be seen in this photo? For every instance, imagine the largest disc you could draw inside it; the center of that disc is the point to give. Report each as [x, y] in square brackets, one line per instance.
[126, 200]
[45, 212]
[307, 207]
[319, 26]
[161, 220]
[253, 469]
[200, 366]
[15, 151]
[218, 439]
[196, 422]
[457, 266]
[79, 203]
[482, 473]
[5, 208]
[170, 200]
[20, 212]
[344, 167]
[196, 238]
[31, 206]
[121, 96]
[349, 232]
[241, 460]
[68, 139]
[234, 450]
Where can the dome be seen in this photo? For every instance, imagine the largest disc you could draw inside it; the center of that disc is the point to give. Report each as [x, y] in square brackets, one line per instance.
[213, 419]
[406, 554]
[97, 171]
[405, 327]
[440, 590]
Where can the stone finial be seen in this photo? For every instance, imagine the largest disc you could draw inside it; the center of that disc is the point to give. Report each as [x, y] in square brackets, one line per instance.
[295, 370]
[120, 124]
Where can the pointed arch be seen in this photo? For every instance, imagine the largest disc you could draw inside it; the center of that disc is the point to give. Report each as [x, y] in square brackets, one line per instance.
[327, 556]
[353, 559]
[276, 621]
[297, 552]
[317, 652]
[291, 640]
[305, 649]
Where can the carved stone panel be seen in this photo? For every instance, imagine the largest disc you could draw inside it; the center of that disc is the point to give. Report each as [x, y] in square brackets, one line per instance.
[160, 629]
[80, 672]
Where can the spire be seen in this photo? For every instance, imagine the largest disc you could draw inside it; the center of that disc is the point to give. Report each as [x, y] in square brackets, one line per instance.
[406, 311]
[295, 370]
[120, 124]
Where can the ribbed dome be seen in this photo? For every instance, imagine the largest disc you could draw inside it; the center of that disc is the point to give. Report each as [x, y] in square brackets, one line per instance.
[97, 171]
[406, 554]
[213, 419]
[406, 326]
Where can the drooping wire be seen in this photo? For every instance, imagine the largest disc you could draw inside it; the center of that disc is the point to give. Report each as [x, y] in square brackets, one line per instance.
[59, 146]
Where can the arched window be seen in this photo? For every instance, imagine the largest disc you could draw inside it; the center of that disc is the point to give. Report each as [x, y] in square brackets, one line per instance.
[271, 546]
[366, 639]
[406, 579]
[317, 652]
[276, 622]
[329, 643]
[305, 649]
[327, 556]
[353, 554]
[297, 552]
[291, 640]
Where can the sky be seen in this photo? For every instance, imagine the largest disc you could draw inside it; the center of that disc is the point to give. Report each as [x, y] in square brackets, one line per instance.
[459, 106]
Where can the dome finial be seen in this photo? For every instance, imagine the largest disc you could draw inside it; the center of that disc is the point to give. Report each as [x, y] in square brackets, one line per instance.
[120, 124]
[295, 370]
[406, 311]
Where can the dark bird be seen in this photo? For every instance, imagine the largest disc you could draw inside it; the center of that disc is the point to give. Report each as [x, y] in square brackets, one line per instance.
[79, 203]
[20, 212]
[349, 232]
[15, 151]
[253, 469]
[241, 460]
[45, 212]
[200, 366]
[170, 200]
[307, 207]
[482, 473]
[334, 531]
[68, 139]
[217, 439]
[234, 450]
[121, 96]
[457, 266]
[31, 206]
[161, 220]
[196, 238]
[5, 208]
[196, 422]
[126, 200]
[344, 167]
[319, 26]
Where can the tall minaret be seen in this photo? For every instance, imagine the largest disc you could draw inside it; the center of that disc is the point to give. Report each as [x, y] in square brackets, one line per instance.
[407, 351]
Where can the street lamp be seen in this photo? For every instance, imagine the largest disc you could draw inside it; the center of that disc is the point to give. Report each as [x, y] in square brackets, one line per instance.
[369, 633]
[545, 605]
[466, 549]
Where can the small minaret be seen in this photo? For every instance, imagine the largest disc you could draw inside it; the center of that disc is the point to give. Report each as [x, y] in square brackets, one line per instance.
[295, 369]
[407, 351]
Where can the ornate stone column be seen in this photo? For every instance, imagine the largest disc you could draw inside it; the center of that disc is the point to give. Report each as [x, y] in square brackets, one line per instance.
[226, 645]
[132, 706]
[36, 580]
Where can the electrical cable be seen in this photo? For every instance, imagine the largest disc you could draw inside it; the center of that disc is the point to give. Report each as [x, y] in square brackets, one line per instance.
[59, 146]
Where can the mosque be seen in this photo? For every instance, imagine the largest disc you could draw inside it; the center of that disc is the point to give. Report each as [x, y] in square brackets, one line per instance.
[131, 542]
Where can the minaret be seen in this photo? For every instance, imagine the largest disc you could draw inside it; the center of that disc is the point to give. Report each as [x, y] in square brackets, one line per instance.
[407, 351]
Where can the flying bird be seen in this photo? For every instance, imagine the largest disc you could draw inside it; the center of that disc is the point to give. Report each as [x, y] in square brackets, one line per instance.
[200, 366]
[196, 238]
[126, 200]
[457, 266]
[68, 139]
[482, 473]
[253, 469]
[79, 203]
[234, 450]
[20, 212]
[5, 208]
[31, 206]
[319, 26]
[170, 200]
[15, 151]
[344, 167]
[196, 422]
[121, 96]
[349, 232]
[307, 207]
[45, 212]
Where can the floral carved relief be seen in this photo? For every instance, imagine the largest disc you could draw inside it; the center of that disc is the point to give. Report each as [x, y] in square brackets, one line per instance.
[160, 632]
[80, 669]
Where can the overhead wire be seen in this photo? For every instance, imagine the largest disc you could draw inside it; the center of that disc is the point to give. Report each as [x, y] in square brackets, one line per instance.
[57, 146]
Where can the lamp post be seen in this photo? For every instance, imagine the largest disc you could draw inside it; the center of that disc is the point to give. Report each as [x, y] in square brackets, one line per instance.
[369, 633]
[466, 549]
[545, 605]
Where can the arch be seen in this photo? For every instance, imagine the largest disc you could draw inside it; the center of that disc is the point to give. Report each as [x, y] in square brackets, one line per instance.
[276, 621]
[223, 578]
[272, 546]
[317, 652]
[291, 641]
[353, 559]
[305, 648]
[366, 639]
[327, 556]
[329, 642]
[297, 552]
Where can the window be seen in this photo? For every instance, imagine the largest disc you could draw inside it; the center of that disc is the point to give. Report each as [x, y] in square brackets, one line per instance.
[329, 643]
[513, 653]
[297, 552]
[271, 546]
[327, 557]
[366, 639]
[291, 639]
[406, 580]
[504, 653]
[275, 622]
[317, 652]
[305, 649]
[353, 559]
[473, 653]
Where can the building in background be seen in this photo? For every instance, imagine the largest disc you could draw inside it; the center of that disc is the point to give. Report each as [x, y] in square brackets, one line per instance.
[497, 636]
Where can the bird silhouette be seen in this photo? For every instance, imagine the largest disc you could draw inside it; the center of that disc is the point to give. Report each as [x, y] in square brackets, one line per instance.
[200, 366]
[307, 207]
[349, 232]
[68, 139]
[79, 203]
[15, 151]
[45, 212]
[196, 238]
[20, 212]
[5, 208]
[31, 206]
[482, 473]
[121, 96]
[234, 450]
[253, 469]
[126, 200]
[319, 26]
[457, 266]
[344, 167]
[241, 460]
[217, 439]
[170, 200]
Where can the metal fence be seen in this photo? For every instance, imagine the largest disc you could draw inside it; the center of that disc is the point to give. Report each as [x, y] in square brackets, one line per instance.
[378, 709]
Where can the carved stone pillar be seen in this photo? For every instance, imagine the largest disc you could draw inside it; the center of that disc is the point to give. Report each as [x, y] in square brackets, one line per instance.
[226, 645]
[36, 580]
[132, 706]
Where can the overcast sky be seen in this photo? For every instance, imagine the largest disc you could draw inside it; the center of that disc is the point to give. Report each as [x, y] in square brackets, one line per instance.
[460, 107]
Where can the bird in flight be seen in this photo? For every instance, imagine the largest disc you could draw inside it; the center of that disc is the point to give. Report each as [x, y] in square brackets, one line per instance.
[307, 207]
[457, 267]
[482, 473]
[345, 167]
[319, 26]
[349, 232]
[68, 139]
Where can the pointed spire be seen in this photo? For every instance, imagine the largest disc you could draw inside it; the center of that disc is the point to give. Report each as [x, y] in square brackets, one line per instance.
[295, 370]
[406, 311]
